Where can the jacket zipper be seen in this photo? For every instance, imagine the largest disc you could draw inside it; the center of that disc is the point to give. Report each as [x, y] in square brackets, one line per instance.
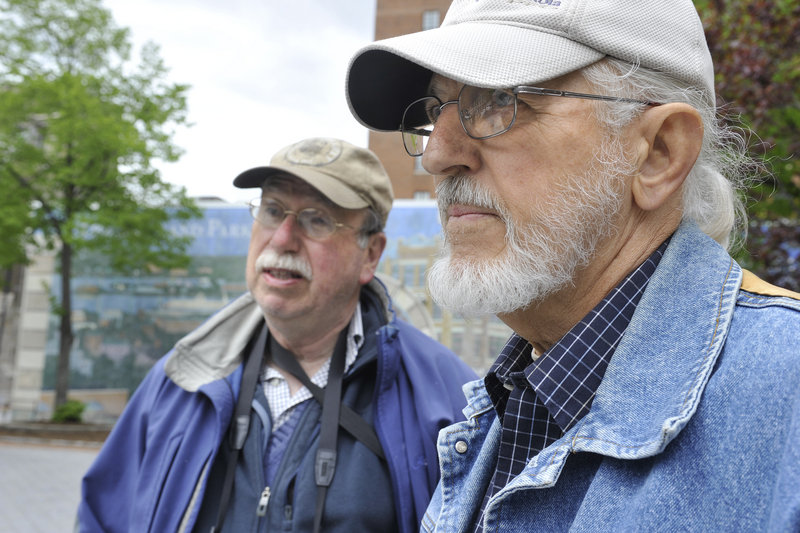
[261, 510]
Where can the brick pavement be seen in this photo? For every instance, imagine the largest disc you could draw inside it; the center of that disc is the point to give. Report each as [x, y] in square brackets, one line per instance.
[40, 485]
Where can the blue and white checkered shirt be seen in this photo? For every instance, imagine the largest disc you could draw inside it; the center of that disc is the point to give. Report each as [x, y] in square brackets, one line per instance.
[279, 398]
[538, 399]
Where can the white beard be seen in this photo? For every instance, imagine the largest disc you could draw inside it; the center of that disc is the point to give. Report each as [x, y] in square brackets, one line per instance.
[541, 256]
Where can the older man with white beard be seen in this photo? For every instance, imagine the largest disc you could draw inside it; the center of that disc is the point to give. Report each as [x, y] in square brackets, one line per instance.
[588, 193]
[533, 264]
[305, 405]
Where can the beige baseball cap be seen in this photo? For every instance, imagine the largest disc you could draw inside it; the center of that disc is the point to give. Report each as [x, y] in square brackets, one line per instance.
[506, 43]
[349, 176]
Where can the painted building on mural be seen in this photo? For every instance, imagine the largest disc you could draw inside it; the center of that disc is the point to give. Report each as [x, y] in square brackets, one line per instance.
[123, 324]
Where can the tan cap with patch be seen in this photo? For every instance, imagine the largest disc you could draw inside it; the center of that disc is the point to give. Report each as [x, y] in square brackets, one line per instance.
[350, 176]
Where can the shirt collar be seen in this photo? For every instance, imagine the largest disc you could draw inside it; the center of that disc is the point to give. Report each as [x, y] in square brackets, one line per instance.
[355, 339]
[566, 377]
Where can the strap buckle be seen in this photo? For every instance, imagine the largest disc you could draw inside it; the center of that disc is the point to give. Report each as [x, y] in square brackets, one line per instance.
[324, 467]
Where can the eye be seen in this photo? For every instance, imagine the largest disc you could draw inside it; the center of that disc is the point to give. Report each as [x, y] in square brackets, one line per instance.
[316, 221]
[432, 110]
[272, 210]
[501, 98]
[477, 103]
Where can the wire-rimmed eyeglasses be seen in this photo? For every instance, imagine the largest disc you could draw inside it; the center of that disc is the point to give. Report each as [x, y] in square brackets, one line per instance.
[483, 112]
[314, 223]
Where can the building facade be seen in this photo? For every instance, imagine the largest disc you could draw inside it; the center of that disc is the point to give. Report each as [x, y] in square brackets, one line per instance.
[392, 18]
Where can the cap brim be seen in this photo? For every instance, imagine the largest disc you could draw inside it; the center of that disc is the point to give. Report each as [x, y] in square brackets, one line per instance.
[330, 187]
[385, 76]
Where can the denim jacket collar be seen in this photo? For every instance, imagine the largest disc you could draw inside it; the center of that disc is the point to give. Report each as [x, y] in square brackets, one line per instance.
[656, 377]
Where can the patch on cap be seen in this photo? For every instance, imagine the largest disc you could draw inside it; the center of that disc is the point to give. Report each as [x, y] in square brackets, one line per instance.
[315, 152]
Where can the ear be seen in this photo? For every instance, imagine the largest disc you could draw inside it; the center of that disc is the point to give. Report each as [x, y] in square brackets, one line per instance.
[373, 252]
[671, 136]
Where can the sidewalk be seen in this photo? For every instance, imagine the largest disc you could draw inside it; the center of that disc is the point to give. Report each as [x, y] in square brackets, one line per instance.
[40, 486]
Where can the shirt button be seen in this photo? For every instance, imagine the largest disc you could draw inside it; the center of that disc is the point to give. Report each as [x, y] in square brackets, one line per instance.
[461, 446]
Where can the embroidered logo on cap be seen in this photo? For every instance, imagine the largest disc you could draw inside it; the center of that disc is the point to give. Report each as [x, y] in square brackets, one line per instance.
[314, 152]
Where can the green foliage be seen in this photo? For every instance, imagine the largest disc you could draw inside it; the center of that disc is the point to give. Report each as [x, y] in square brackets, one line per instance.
[774, 252]
[754, 44]
[79, 130]
[69, 411]
[80, 127]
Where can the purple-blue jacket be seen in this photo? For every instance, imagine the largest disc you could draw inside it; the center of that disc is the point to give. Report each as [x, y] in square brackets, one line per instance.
[151, 473]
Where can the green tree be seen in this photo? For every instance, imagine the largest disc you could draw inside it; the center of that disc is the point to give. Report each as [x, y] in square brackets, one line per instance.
[754, 44]
[756, 54]
[80, 127]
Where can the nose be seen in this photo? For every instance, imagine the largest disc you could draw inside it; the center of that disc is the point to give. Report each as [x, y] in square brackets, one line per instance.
[286, 237]
[450, 150]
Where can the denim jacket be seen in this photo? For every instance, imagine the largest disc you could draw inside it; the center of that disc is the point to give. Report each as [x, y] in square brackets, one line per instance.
[695, 427]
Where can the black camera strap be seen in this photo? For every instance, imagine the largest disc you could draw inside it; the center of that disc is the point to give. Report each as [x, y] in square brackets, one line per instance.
[334, 414]
[240, 424]
[350, 421]
[325, 463]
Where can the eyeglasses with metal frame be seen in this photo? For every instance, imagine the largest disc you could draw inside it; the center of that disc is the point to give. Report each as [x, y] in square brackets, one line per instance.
[483, 112]
[314, 223]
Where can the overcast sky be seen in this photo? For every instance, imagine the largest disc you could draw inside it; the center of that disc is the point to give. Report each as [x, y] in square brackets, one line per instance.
[264, 73]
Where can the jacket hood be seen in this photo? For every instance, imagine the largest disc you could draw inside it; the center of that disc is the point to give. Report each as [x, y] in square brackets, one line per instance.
[214, 350]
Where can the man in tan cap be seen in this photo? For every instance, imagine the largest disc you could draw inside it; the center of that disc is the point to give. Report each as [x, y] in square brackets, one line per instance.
[589, 196]
[304, 405]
